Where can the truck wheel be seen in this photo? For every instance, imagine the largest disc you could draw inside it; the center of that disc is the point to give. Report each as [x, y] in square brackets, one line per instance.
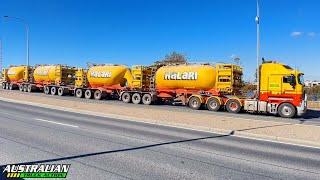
[61, 91]
[30, 88]
[10, 86]
[79, 93]
[287, 110]
[21, 87]
[194, 103]
[3, 85]
[126, 97]
[88, 94]
[136, 98]
[53, 91]
[46, 89]
[97, 95]
[233, 106]
[146, 99]
[25, 88]
[213, 104]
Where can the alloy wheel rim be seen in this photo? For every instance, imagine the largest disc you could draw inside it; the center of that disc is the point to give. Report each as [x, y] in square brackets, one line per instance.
[286, 111]
[213, 104]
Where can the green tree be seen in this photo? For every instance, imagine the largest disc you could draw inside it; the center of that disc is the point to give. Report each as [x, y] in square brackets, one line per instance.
[248, 88]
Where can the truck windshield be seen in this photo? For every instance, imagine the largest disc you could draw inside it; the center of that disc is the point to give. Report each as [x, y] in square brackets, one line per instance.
[301, 79]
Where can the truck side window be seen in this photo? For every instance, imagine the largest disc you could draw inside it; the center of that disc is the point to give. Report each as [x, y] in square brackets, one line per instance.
[286, 79]
[289, 79]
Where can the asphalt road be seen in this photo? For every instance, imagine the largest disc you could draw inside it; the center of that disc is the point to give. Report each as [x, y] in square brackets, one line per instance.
[312, 117]
[103, 148]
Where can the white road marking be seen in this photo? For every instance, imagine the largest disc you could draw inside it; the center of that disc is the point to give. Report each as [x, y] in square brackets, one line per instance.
[54, 122]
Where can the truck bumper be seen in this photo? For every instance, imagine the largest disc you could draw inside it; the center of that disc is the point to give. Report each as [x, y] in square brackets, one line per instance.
[303, 107]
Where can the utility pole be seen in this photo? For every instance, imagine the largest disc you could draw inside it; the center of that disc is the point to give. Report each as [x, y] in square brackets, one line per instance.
[258, 48]
[0, 58]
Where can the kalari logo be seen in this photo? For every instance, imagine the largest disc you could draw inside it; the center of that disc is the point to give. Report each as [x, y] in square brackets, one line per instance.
[10, 72]
[100, 74]
[44, 71]
[181, 76]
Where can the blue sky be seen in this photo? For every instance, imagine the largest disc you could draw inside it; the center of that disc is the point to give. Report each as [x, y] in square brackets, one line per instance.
[142, 31]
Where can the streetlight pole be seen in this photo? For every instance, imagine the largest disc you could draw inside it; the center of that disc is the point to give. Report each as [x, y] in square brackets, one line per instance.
[1, 57]
[258, 48]
[27, 34]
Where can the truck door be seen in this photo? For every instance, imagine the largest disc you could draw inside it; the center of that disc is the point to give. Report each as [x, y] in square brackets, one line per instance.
[288, 84]
[274, 84]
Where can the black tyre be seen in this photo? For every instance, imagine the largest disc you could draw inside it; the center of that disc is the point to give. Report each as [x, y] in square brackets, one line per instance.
[147, 99]
[21, 87]
[29, 89]
[126, 97]
[233, 106]
[287, 110]
[25, 88]
[194, 103]
[53, 91]
[136, 98]
[97, 95]
[10, 86]
[4, 85]
[61, 91]
[88, 94]
[7, 86]
[79, 93]
[213, 104]
[46, 90]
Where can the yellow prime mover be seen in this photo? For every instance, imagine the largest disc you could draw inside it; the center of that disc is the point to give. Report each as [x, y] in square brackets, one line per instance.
[281, 91]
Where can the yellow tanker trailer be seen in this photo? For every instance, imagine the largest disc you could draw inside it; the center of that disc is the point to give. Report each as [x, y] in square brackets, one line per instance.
[52, 79]
[192, 84]
[14, 76]
[101, 80]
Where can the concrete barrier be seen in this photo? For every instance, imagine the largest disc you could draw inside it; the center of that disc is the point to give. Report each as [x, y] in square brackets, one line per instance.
[314, 104]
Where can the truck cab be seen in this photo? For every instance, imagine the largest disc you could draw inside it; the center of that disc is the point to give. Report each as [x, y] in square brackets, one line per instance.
[281, 91]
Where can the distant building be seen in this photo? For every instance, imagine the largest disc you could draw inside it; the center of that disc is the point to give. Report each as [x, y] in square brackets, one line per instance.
[311, 83]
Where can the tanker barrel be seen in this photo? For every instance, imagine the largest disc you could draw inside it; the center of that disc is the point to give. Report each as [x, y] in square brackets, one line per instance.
[108, 75]
[16, 73]
[186, 77]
